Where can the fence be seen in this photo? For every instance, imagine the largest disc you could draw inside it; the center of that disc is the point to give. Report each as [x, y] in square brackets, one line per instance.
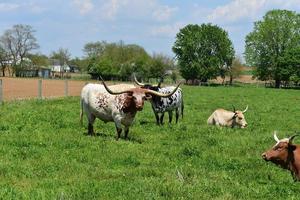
[19, 88]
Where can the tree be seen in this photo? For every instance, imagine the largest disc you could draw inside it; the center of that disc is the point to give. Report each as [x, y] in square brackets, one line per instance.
[94, 49]
[18, 42]
[116, 60]
[39, 59]
[202, 51]
[275, 34]
[158, 65]
[4, 57]
[289, 64]
[235, 70]
[80, 63]
[63, 55]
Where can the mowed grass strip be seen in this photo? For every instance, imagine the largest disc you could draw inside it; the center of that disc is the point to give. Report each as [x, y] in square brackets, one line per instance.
[46, 154]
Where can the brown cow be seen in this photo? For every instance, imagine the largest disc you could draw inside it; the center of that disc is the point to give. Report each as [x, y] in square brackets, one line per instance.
[286, 155]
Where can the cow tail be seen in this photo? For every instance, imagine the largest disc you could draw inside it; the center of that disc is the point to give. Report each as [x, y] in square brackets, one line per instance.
[81, 111]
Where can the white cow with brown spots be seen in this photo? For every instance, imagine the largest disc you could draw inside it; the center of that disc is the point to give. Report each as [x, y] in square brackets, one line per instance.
[120, 107]
[221, 117]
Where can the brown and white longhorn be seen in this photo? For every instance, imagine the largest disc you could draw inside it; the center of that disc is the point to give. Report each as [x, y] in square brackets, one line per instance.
[120, 107]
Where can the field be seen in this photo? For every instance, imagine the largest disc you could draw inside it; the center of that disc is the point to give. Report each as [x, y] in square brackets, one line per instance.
[46, 154]
[26, 88]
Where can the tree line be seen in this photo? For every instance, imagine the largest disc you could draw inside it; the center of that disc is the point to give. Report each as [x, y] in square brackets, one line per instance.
[202, 52]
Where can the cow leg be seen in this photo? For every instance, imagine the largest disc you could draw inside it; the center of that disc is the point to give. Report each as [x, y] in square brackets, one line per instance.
[156, 115]
[91, 119]
[119, 131]
[177, 114]
[170, 116]
[157, 118]
[162, 118]
[126, 132]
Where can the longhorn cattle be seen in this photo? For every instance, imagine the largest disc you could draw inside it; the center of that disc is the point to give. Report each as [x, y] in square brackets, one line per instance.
[285, 154]
[162, 105]
[221, 117]
[120, 107]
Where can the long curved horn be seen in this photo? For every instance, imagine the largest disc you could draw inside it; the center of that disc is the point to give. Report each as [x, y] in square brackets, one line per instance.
[275, 136]
[111, 92]
[292, 137]
[245, 109]
[233, 108]
[163, 95]
[136, 81]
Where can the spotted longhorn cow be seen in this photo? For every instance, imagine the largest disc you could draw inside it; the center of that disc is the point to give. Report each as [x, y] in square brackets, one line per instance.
[120, 107]
[221, 117]
[162, 105]
[285, 154]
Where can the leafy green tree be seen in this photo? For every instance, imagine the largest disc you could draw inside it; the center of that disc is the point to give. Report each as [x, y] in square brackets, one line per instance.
[39, 59]
[275, 34]
[80, 63]
[289, 65]
[118, 60]
[235, 70]
[202, 51]
[158, 65]
[94, 49]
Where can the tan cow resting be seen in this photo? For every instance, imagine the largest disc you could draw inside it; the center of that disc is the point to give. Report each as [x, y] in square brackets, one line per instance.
[285, 154]
[221, 117]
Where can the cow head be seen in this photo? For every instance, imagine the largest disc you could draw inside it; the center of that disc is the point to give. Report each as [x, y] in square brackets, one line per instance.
[135, 97]
[239, 118]
[281, 152]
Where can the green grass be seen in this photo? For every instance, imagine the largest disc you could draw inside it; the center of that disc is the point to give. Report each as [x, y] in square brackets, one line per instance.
[248, 72]
[45, 154]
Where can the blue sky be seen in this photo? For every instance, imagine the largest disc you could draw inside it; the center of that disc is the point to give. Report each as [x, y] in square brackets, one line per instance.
[153, 24]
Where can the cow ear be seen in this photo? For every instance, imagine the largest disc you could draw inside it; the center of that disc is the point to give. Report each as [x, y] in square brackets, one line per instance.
[148, 96]
[292, 147]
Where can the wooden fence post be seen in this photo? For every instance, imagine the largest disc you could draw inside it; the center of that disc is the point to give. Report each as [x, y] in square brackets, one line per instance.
[66, 88]
[40, 89]
[1, 92]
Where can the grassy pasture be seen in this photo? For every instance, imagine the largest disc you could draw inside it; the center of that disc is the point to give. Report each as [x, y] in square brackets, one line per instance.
[45, 154]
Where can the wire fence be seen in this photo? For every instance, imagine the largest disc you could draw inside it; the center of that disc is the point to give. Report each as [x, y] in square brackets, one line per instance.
[18, 88]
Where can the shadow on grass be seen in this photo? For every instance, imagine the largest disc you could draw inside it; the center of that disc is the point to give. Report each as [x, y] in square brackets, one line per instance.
[108, 136]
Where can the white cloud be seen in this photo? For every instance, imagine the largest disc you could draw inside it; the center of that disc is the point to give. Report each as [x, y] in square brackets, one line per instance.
[6, 7]
[285, 4]
[110, 8]
[241, 9]
[163, 13]
[134, 9]
[168, 30]
[236, 10]
[84, 6]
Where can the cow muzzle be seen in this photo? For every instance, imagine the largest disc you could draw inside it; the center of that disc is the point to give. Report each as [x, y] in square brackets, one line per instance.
[139, 108]
[264, 156]
[244, 125]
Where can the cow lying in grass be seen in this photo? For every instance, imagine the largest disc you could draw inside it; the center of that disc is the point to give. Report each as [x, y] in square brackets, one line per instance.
[285, 154]
[221, 117]
[120, 107]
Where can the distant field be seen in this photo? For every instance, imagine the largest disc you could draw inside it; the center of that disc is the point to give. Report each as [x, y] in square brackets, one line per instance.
[45, 153]
[249, 72]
